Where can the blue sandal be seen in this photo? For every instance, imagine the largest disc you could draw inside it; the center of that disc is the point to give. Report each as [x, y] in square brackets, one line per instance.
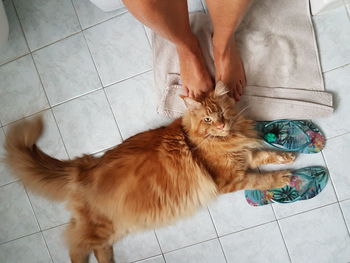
[292, 135]
[305, 184]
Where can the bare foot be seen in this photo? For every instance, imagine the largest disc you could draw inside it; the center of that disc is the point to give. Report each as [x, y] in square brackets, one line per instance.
[195, 77]
[229, 68]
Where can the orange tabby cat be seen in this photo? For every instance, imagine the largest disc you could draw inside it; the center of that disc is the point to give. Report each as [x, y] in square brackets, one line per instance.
[152, 178]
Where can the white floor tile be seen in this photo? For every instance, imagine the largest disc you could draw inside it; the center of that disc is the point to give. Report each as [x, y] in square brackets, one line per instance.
[87, 124]
[194, 6]
[30, 249]
[204, 5]
[337, 155]
[327, 196]
[16, 45]
[259, 244]
[317, 236]
[206, 252]
[232, 213]
[187, 232]
[21, 93]
[16, 215]
[46, 21]
[120, 48]
[5, 174]
[136, 246]
[55, 242]
[333, 36]
[149, 34]
[50, 141]
[90, 15]
[48, 213]
[134, 103]
[66, 69]
[133, 247]
[345, 207]
[158, 259]
[339, 122]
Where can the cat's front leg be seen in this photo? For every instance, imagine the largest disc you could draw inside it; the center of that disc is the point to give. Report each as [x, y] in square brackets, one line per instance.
[260, 181]
[270, 157]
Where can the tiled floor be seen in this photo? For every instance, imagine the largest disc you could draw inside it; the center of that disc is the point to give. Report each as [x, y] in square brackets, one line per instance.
[89, 73]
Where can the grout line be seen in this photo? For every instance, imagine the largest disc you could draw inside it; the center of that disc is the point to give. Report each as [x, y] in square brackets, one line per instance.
[342, 213]
[347, 9]
[37, 222]
[204, 5]
[47, 247]
[43, 87]
[114, 117]
[56, 41]
[76, 14]
[108, 19]
[333, 69]
[52, 227]
[8, 241]
[140, 260]
[336, 194]
[336, 136]
[104, 91]
[46, 45]
[60, 133]
[14, 59]
[187, 246]
[212, 221]
[160, 247]
[31, 205]
[23, 118]
[24, 36]
[76, 97]
[241, 230]
[330, 176]
[127, 78]
[16, 181]
[312, 209]
[280, 229]
[148, 40]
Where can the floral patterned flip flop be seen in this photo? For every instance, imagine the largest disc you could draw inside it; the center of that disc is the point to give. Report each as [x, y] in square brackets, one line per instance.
[292, 135]
[305, 184]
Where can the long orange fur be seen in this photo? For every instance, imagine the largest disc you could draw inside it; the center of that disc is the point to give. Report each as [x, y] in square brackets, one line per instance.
[152, 179]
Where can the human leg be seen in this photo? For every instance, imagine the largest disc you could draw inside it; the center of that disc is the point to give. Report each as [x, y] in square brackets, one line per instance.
[170, 19]
[226, 16]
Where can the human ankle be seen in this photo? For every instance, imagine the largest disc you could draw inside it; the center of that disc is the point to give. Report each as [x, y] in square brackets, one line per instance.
[222, 47]
[190, 46]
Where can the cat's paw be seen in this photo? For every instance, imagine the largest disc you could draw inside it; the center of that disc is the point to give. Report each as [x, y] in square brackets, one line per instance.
[281, 178]
[286, 157]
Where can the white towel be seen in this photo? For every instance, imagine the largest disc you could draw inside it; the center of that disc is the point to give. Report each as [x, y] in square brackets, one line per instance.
[278, 48]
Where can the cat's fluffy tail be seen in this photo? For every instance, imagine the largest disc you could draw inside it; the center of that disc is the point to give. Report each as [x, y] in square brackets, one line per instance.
[38, 171]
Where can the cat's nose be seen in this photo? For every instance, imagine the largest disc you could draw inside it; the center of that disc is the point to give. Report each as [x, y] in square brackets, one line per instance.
[220, 126]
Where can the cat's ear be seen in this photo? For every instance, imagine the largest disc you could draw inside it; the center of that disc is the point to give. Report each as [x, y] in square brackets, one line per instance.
[220, 89]
[191, 104]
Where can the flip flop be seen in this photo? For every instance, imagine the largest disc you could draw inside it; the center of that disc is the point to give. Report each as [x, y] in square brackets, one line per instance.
[292, 135]
[305, 184]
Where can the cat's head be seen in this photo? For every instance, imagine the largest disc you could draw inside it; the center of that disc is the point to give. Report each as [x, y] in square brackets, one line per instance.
[214, 115]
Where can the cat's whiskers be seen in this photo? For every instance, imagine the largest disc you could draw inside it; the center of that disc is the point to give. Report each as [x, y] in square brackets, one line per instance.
[204, 139]
[238, 114]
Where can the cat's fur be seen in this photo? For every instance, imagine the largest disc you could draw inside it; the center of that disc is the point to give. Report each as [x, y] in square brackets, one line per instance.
[152, 178]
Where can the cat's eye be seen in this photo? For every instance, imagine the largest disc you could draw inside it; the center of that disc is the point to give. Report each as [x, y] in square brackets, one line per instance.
[207, 119]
